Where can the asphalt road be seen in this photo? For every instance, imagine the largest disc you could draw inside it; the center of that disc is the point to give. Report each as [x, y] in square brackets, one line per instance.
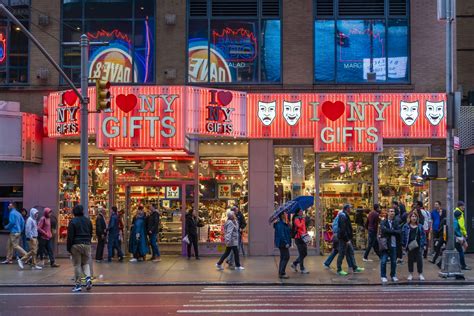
[240, 300]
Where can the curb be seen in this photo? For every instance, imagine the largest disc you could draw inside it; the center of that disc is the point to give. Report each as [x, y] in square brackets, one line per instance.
[169, 284]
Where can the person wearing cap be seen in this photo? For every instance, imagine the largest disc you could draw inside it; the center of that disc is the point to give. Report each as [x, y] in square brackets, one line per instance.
[460, 242]
[462, 225]
[231, 237]
[31, 233]
[346, 248]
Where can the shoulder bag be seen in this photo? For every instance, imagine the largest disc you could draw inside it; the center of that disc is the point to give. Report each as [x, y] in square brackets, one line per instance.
[382, 241]
[414, 243]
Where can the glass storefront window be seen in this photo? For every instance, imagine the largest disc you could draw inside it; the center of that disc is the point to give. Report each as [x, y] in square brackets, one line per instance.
[344, 179]
[223, 183]
[399, 180]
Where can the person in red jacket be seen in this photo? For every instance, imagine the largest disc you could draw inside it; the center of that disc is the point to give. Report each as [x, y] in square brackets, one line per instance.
[299, 227]
[45, 235]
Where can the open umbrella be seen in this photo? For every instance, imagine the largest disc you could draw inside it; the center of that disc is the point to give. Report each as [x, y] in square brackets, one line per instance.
[285, 207]
[290, 207]
[304, 202]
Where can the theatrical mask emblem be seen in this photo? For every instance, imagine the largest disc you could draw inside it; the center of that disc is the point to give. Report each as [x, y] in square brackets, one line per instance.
[266, 112]
[434, 111]
[409, 112]
[292, 112]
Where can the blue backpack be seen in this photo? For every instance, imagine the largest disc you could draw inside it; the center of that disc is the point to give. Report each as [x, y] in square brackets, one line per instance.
[335, 224]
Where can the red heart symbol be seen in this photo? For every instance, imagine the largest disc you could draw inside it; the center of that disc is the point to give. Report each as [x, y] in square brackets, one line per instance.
[69, 97]
[226, 188]
[126, 102]
[224, 97]
[174, 188]
[333, 111]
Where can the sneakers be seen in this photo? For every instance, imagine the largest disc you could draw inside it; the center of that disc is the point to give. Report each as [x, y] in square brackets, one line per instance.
[88, 283]
[294, 268]
[133, 260]
[20, 264]
[367, 260]
[326, 266]
[466, 268]
[219, 267]
[384, 280]
[121, 259]
[410, 277]
[6, 261]
[359, 269]
[283, 276]
[239, 268]
[342, 273]
[394, 279]
[304, 271]
[37, 267]
[422, 278]
[55, 265]
[77, 288]
[156, 259]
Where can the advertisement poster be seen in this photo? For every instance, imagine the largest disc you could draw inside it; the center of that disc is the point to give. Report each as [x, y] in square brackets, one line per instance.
[172, 193]
[224, 191]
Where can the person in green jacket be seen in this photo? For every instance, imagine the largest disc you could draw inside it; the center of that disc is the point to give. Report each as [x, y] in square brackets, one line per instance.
[462, 225]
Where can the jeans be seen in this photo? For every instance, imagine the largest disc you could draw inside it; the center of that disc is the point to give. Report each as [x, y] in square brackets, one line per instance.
[193, 241]
[228, 249]
[155, 250]
[45, 248]
[284, 258]
[346, 250]
[81, 255]
[334, 252]
[99, 253]
[114, 243]
[415, 255]
[302, 253]
[372, 243]
[438, 245]
[392, 253]
[462, 260]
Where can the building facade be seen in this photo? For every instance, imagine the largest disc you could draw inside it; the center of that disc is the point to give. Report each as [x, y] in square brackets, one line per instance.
[249, 103]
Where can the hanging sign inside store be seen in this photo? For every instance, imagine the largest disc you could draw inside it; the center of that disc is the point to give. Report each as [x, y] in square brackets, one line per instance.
[172, 192]
[224, 191]
[347, 122]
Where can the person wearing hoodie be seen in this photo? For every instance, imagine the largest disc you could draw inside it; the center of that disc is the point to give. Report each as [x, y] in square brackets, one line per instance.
[45, 234]
[283, 243]
[31, 233]
[462, 225]
[79, 235]
[16, 224]
[460, 241]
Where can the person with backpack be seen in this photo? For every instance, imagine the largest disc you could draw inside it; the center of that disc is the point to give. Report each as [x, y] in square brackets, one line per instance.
[335, 241]
[299, 231]
[346, 248]
[372, 225]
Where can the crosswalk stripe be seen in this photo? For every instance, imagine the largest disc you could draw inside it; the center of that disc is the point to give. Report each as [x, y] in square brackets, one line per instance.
[384, 304]
[325, 311]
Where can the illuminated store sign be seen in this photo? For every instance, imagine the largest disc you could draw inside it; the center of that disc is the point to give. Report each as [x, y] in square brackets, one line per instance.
[67, 118]
[219, 118]
[3, 47]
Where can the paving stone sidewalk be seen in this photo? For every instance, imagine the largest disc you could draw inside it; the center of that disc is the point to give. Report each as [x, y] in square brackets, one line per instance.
[176, 270]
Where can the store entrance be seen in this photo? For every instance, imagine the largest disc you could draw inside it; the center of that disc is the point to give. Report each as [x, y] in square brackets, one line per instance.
[172, 199]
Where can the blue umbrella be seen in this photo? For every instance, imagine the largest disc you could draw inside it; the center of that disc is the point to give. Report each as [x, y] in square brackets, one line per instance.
[304, 202]
[285, 207]
[290, 207]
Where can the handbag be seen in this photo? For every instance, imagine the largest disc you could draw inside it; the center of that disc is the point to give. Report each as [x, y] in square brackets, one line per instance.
[382, 242]
[306, 238]
[414, 243]
[186, 239]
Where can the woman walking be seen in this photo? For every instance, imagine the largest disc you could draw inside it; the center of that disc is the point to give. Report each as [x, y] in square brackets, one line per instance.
[138, 238]
[282, 242]
[299, 225]
[231, 236]
[414, 242]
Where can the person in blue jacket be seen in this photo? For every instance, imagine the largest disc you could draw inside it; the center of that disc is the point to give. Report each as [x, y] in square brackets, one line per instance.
[16, 225]
[138, 238]
[413, 241]
[283, 243]
[113, 231]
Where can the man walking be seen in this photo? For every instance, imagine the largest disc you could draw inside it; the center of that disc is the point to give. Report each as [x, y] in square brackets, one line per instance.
[153, 227]
[372, 225]
[114, 233]
[31, 232]
[45, 235]
[346, 248]
[437, 215]
[101, 233]
[79, 235]
[16, 225]
[390, 230]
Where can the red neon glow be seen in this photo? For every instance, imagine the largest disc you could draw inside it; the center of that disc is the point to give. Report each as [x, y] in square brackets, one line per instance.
[3, 47]
[236, 37]
[115, 33]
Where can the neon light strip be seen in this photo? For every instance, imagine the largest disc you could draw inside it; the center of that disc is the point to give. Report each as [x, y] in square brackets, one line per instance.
[147, 45]
[3, 42]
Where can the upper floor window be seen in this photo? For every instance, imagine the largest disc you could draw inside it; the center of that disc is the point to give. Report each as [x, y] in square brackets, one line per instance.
[14, 44]
[361, 41]
[234, 41]
[128, 26]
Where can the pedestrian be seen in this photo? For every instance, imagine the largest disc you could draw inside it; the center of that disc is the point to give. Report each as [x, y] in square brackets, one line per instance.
[335, 241]
[44, 236]
[390, 231]
[79, 235]
[401, 217]
[440, 242]
[231, 238]
[190, 230]
[460, 242]
[299, 227]
[372, 225]
[138, 245]
[437, 215]
[153, 227]
[15, 225]
[31, 232]
[113, 231]
[413, 239]
[101, 234]
[283, 243]
[360, 240]
[242, 224]
[427, 228]
[462, 225]
[346, 248]
[24, 242]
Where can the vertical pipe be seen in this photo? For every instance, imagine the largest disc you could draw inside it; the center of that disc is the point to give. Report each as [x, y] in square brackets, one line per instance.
[375, 172]
[317, 202]
[84, 183]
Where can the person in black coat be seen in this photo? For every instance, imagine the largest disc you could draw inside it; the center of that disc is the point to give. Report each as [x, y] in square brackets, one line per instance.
[345, 236]
[153, 227]
[101, 233]
[391, 230]
[190, 230]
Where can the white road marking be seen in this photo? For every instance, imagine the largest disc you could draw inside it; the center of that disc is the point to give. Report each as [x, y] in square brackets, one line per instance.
[386, 304]
[325, 311]
[358, 299]
[95, 306]
[95, 293]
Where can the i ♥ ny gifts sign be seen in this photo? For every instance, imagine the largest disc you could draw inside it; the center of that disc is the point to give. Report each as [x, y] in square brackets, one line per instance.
[347, 122]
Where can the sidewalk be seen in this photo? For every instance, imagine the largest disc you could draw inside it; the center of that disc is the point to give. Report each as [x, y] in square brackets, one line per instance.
[174, 270]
